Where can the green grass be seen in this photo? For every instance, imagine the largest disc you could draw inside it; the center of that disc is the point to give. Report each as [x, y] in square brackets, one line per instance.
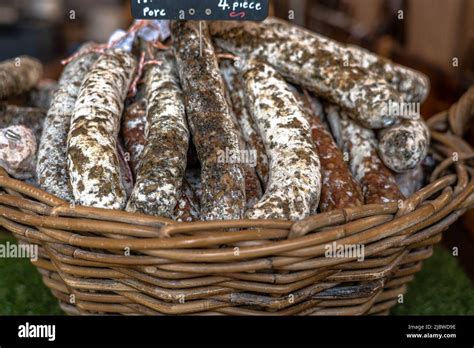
[441, 288]
[22, 291]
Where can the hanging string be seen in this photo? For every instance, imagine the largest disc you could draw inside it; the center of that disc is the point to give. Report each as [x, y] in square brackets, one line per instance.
[159, 45]
[227, 56]
[133, 86]
[143, 62]
[102, 48]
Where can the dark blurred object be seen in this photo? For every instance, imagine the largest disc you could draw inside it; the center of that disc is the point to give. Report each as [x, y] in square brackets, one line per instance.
[29, 27]
[442, 32]
[48, 29]
[29, 37]
[13, 11]
[42, 95]
[344, 20]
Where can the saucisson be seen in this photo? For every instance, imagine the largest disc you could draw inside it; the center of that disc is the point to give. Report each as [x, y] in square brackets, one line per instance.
[315, 63]
[247, 157]
[214, 133]
[51, 169]
[339, 188]
[19, 75]
[94, 167]
[248, 127]
[161, 170]
[402, 147]
[133, 128]
[412, 85]
[294, 185]
[378, 183]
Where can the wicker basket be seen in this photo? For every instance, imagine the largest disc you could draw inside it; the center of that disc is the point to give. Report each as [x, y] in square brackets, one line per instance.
[99, 261]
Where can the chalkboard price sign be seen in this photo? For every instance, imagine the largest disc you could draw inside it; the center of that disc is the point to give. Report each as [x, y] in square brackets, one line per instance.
[244, 10]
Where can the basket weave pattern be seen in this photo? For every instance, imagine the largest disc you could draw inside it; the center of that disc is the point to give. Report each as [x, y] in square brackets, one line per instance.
[99, 261]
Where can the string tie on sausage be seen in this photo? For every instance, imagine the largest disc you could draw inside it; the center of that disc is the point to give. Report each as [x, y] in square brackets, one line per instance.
[102, 48]
[141, 65]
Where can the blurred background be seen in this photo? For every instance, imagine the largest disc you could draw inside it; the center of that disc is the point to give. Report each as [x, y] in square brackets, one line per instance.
[433, 36]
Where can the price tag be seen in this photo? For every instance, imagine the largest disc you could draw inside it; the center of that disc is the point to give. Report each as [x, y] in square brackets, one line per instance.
[243, 10]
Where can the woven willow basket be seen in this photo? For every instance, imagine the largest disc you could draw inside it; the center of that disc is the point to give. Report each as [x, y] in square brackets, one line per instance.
[99, 261]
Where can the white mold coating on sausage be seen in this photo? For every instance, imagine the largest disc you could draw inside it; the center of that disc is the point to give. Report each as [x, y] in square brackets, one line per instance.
[294, 185]
[248, 127]
[402, 147]
[253, 187]
[19, 75]
[210, 121]
[378, 183]
[411, 84]
[315, 63]
[161, 171]
[52, 168]
[94, 167]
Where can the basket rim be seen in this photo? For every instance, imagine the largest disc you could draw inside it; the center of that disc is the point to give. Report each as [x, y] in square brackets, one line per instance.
[48, 211]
